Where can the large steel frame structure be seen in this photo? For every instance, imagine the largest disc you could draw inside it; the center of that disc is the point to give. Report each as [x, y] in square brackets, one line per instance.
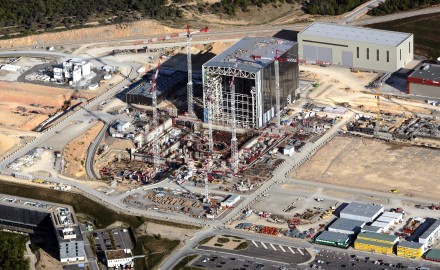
[261, 85]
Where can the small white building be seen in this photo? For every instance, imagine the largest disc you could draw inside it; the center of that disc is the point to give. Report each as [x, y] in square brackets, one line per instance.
[123, 126]
[93, 86]
[230, 201]
[119, 259]
[289, 150]
[431, 234]
[24, 176]
[58, 73]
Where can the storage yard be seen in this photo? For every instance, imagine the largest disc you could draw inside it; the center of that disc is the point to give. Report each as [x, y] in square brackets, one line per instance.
[375, 165]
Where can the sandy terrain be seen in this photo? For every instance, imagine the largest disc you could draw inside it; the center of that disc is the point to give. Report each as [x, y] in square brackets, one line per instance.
[16, 98]
[135, 29]
[75, 152]
[375, 165]
[164, 230]
[47, 262]
[338, 85]
[6, 143]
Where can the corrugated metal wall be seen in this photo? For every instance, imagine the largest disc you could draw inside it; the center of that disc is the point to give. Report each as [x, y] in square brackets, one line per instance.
[315, 53]
[347, 58]
[424, 90]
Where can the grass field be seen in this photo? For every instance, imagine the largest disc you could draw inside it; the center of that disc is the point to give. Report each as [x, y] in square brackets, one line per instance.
[155, 248]
[425, 29]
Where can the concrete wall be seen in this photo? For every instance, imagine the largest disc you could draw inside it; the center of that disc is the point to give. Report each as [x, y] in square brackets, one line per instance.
[340, 47]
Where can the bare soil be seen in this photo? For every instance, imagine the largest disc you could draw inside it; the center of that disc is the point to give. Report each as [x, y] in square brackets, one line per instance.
[375, 165]
[76, 150]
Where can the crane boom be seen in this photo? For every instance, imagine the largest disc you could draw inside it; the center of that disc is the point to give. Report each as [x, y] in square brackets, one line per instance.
[234, 143]
[156, 146]
[190, 93]
[188, 34]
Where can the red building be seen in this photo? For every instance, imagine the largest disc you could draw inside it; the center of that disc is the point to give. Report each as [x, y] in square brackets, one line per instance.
[425, 81]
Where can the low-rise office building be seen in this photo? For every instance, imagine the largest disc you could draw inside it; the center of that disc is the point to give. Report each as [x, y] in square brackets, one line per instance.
[29, 216]
[376, 242]
[333, 239]
[431, 234]
[411, 250]
[119, 259]
[433, 255]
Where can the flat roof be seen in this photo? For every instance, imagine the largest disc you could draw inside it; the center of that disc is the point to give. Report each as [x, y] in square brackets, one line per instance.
[433, 254]
[163, 84]
[410, 244]
[431, 229]
[378, 236]
[243, 50]
[371, 228]
[427, 71]
[117, 254]
[333, 237]
[374, 243]
[346, 224]
[357, 34]
[362, 209]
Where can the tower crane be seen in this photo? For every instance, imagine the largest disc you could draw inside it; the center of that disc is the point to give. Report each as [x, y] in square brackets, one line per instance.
[188, 35]
[156, 146]
[277, 61]
[234, 143]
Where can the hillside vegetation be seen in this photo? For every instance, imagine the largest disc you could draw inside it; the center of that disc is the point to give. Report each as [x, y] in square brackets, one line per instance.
[12, 247]
[27, 16]
[391, 6]
[331, 7]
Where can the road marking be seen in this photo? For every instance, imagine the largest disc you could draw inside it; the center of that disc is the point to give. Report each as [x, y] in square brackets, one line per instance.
[291, 250]
[254, 243]
[299, 250]
[273, 247]
[264, 245]
[282, 248]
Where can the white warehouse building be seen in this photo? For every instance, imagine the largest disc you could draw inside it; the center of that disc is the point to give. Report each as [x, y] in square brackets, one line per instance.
[355, 47]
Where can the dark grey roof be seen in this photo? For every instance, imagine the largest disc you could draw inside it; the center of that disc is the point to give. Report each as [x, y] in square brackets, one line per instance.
[333, 237]
[163, 83]
[410, 244]
[430, 73]
[243, 50]
[431, 229]
[346, 224]
[358, 34]
[433, 254]
[361, 209]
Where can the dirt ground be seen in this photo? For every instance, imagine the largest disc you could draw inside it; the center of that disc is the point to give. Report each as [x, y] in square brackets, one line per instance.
[375, 165]
[164, 230]
[16, 98]
[6, 143]
[75, 152]
[47, 262]
[338, 85]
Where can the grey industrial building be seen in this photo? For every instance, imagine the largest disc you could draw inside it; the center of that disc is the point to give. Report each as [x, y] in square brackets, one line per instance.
[346, 226]
[361, 211]
[254, 81]
[28, 215]
[167, 83]
[425, 81]
[355, 47]
[334, 239]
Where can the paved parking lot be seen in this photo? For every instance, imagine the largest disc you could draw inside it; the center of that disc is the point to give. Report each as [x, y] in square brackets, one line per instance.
[330, 260]
[269, 252]
[235, 263]
[103, 240]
